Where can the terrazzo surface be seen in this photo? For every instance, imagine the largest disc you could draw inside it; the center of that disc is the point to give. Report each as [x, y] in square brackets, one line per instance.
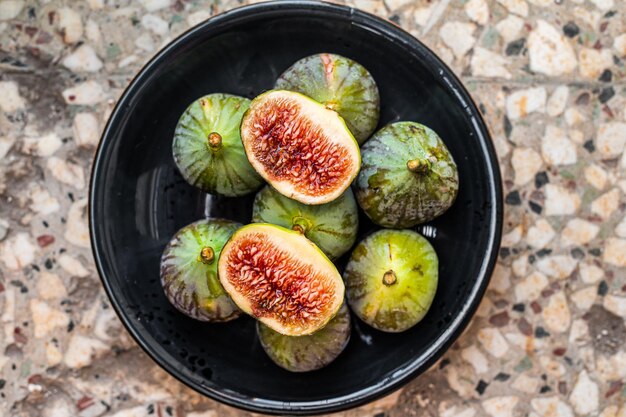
[549, 339]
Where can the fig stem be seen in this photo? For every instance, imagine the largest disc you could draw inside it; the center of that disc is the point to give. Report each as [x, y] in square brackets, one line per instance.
[215, 141]
[418, 166]
[389, 278]
[207, 255]
[300, 224]
[298, 228]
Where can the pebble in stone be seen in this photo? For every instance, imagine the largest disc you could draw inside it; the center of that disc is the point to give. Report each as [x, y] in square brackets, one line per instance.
[611, 368]
[145, 42]
[578, 232]
[421, 15]
[525, 383]
[453, 411]
[458, 36]
[620, 229]
[77, 231]
[540, 234]
[518, 7]
[615, 252]
[397, 4]
[46, 318]
[4, 229]
[559, 201]
[550, 52]
[18, 251]
[154, 5]
[523, 102]
[585, 395]
[87, 93]
[510, 28]
[42, 202]
[556, 315]
[10, 9]
[557, 266]
[197, 17]
[500, 406]
[573, 116]
[501, 279]
[530, 287]
[82, 350]
[584, 298]
[43, 146]
[53, 354]
[557, 102]
[478, 11]
[606, 204]
[513, 237]
[83, 59]
[556, 148]
[10, 99]
[588, 16]
[6, 143]
[603, 4]
[493, 342]
[485, 63]
[596, 176]
[579, 332]
[69, 25]
[592, 62]
[551, 407]
[619, 44]
[50, 286]
[475, 357]
[520, 266]
[590, 273]
[611, 139]
[92, 32]
[66, 172]
[155, 24]
[86, 129]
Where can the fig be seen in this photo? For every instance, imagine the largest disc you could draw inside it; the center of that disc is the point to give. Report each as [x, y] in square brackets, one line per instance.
[391, 279]
[207, 146]
[189, 270]
[307, 353]
[331, 226]
[340, 84]
[304, 150]
[281, 278]
[408, 176]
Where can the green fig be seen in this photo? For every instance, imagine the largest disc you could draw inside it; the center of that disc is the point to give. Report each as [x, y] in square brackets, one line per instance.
[391, 279]
[340, 84]
[207, 146]
[307, 353]
[408, 176]
[189, 270]
[331, 226]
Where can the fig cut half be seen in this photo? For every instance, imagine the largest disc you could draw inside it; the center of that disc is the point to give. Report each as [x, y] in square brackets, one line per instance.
[281, 278]
[304, 150]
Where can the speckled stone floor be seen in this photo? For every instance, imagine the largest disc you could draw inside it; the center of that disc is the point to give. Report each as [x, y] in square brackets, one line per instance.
[549, 338]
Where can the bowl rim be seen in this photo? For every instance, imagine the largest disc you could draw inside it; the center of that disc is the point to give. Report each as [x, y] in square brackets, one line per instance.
[454, 329]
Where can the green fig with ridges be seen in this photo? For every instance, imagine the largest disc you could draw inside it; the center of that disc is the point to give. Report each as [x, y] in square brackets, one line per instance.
[341, 84]
[307, 353]
[189, 270]
[408, 176]
[391, 279]
[332, 226]
[207, 146]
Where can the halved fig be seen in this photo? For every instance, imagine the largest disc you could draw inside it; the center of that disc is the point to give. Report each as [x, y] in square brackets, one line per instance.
[391, 279]
[331, 226]
[305, 151]
[281, 278]
[207, 146]
[189, 270]
[408, 176]
[307, 353]
[340, 84]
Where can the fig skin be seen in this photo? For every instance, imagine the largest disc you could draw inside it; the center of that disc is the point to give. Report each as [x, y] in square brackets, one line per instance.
[189, 271]
[340, 84]
[307, 353]
[408, 176]
[391, 279]
[207, 146]
[332, 226]
[302, 149]
[281, 278]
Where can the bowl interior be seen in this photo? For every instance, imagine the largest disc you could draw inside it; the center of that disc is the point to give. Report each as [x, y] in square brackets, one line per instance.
[139, 201]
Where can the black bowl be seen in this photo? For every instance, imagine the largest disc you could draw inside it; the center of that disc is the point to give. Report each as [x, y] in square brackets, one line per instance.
[138, 200]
